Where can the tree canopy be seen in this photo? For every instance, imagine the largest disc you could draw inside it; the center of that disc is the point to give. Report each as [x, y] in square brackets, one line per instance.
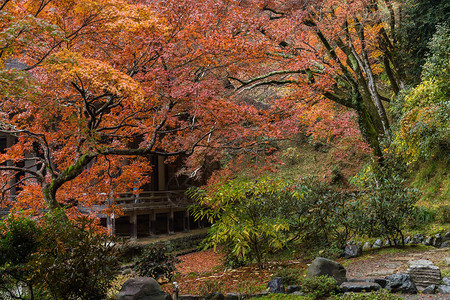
[90, 89]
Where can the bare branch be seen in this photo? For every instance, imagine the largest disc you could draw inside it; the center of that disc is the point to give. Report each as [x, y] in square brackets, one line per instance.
[25, 170]
[265, 76]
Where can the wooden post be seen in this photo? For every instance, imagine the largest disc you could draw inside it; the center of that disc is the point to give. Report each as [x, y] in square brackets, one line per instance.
[111, 224]
[170, 224]
[186, 225]
[152, 223]
[133, 226]
[161, 174]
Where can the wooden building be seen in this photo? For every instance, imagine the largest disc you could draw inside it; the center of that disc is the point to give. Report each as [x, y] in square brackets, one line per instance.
[162, 207]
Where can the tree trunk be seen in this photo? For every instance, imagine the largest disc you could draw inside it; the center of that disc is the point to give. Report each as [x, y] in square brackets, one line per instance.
[49, 189]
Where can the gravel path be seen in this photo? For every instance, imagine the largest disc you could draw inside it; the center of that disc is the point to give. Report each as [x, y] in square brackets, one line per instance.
[385, 262]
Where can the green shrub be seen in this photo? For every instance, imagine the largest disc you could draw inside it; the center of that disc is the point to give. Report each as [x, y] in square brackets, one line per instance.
[319, 287]
[157, 261]
[290, 276]
[421, 217]
[445, 213]
[248, 218]
[386, 205]
[382, 295]
[282, 297]
[254, 218]
[19, 240]
[56, 258]
[76, 260]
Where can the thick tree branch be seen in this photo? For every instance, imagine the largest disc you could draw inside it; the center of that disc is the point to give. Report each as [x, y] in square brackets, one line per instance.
[40, 177]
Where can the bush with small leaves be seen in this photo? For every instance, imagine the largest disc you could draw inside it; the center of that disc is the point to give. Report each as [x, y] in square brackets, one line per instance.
[56, 258]
[319, 287]
[19, 240]
[381, 295]
[290, 276]
[76, 259]
[157, 261]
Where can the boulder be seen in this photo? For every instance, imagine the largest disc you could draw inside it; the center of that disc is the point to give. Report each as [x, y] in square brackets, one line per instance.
[352, 251]
[407, 240]
[215, 296]
[382, 282]
[444, 289]
[437, 240]
[276, 285]
[323, 266]
[189, 297]
[431, 289]
[358, 287]
[367, 246]
[424, 273]
[257, 295]
[428, 241]
[292, 288]
[401, 283]
[445, 244]
[141, 288]
[232, 296]
[446, 280]
[418, 238]
[378, 243]
[446, 236]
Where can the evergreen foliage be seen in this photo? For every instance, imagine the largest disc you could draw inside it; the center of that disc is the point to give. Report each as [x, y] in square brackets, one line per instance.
[55, 258]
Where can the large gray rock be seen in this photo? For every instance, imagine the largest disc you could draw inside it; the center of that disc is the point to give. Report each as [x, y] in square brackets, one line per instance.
[141, 288]
[352, 251]
[444, 289]
[189, 297]
[431, 289]
[437, 240]
[445, 244]
[215, 296]
[378, 243]
[276, 285]
[367, 246]
[446, 236]
[382, 282]
[292, 288]
[418, 238]
[401, 283]
[446, 280]
[233, 296]
[358, 287]
[424, 273]
[428, 241]
[322, 266]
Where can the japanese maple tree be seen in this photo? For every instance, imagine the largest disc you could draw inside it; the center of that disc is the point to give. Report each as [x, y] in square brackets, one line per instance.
[105, 84]
[333, 50]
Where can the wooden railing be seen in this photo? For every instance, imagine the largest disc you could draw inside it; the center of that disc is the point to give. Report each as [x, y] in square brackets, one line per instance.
[152, 200]
[142, 201]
